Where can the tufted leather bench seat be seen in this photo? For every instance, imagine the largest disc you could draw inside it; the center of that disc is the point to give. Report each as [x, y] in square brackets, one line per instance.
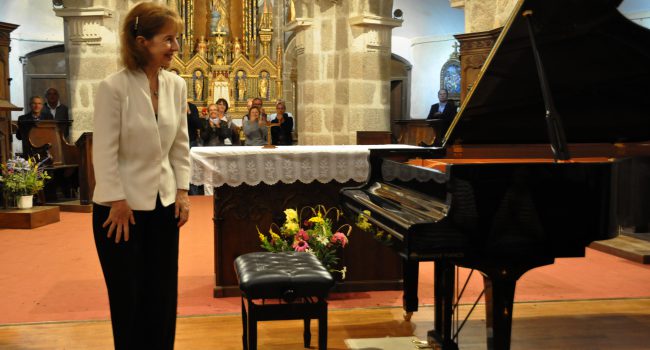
[290, 285]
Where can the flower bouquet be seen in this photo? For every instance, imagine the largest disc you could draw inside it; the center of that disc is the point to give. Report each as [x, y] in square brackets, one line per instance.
[22, 177]
[310, 231]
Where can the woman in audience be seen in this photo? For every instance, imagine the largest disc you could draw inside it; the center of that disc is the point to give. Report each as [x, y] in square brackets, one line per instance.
[142, 172]
[255, 128]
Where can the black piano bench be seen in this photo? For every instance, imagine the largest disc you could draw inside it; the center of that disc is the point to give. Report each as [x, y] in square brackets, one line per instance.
[283, 286]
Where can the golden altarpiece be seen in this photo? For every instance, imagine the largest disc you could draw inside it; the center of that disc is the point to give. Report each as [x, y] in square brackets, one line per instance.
[225, 52]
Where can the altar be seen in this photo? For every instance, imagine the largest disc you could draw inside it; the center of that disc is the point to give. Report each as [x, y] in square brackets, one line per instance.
[252, 188]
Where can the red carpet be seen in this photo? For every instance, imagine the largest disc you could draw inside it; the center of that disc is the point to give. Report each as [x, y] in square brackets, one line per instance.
[52, 274]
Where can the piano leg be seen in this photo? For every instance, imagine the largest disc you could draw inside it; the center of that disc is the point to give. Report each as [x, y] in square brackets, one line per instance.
[500, 283]
[499, 297]
[441, 337]
[410, 269]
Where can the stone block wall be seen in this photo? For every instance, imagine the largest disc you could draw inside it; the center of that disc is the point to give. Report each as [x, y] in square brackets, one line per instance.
[343, 65]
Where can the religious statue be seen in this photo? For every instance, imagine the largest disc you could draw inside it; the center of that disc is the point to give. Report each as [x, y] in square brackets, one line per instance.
[202, 47]
[237, 49]
[215, 17]
[219, 51]
[241, 86]
[263, 85]
[219, 20]
[198, 85]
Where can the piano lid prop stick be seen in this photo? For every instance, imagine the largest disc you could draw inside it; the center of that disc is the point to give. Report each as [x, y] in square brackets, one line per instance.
[553, 120]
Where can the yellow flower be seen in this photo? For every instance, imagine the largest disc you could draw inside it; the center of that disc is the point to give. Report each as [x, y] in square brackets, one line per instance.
[274, 236]
[367, 212]
[292, 226]
[317, 219]
[291, 214]
[262, 237]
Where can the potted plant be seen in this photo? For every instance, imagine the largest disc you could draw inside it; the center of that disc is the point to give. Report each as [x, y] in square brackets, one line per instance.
[22, 179]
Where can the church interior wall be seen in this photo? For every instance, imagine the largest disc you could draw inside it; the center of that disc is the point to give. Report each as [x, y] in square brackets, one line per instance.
[424, 39]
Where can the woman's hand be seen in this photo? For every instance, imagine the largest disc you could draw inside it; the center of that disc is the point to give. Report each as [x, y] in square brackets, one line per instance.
[119, 218]
[182, 207]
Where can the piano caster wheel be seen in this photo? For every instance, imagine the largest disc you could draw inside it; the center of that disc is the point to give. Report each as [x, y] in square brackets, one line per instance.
[407, 316]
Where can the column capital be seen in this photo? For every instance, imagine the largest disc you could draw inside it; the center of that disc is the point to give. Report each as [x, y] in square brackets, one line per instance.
[84, 24]
[374, 20]
[457, 3]
[298, 24]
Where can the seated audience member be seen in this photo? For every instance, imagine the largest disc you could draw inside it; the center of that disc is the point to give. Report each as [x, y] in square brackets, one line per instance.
[444, 109]
[194, 125]
[281, 135]
[56, 109]
[37, 113]
[255, 129]
[219, 129]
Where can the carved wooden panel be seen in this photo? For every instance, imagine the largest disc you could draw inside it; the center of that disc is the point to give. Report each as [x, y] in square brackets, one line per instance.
[474, 50]
[240, 211]
[5, 116]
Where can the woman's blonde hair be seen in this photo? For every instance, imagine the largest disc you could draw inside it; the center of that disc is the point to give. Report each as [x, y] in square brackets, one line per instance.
[145, 19]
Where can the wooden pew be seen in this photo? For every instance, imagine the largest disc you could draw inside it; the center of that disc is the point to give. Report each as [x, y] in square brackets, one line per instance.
[46, 140]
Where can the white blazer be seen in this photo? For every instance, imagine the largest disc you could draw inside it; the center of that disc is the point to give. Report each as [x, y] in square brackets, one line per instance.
[136, 157]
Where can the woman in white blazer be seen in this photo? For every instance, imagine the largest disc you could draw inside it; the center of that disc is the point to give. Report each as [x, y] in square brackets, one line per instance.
[141, 161]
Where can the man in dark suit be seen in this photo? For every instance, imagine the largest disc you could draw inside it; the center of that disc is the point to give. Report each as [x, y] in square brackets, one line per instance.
[27, 121]
[58, 110]
[444, 109]
[54, 106]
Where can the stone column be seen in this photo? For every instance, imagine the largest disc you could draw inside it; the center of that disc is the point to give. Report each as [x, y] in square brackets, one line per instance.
[92, 30]
[484, 15]
[342, 55]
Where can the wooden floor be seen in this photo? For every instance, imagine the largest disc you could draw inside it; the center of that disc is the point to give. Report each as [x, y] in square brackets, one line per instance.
[599, 324]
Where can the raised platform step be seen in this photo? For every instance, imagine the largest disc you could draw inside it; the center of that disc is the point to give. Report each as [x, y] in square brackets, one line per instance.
[74, 206]
[631, 246]
[29, 218]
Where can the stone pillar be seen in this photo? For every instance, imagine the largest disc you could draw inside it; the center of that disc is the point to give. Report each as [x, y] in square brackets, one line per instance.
[342, 55]
[484, 15]
[91, 30]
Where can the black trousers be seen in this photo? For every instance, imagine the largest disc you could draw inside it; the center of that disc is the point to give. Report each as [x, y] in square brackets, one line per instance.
[141, 278]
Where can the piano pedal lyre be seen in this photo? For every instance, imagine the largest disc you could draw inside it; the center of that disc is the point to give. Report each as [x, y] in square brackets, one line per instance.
[421, 344]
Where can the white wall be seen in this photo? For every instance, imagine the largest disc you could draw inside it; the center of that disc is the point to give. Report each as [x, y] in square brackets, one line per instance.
[39, 28]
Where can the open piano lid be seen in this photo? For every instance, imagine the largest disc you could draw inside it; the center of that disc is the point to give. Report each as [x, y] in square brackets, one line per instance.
[597, 64]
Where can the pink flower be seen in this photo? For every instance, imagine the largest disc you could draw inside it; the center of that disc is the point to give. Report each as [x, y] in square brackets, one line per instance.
[300, 246]
[340, 238]
[302, 235]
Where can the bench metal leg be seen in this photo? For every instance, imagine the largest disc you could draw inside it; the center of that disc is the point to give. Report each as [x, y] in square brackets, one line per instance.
[244, 319]
[252, 326]
[307, 332]
[322, 329]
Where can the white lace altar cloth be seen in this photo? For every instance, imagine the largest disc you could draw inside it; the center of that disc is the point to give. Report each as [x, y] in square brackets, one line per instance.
[234, 165]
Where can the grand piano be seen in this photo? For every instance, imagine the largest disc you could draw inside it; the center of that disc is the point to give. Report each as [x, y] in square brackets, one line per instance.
[535, 166]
